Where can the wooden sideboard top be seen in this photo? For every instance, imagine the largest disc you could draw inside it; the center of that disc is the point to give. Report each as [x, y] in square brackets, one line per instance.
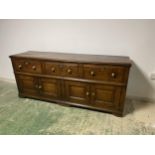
[81, 58]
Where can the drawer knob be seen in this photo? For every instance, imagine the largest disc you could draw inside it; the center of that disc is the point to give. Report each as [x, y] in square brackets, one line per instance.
[20, 66]
[53, 69]
[113, 75]
[34, 67]
[92, 73]
[39, 86]
[87, 93]
[69, 71]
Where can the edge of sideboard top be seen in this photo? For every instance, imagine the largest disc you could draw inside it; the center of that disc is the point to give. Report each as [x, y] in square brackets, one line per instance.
[81, 58]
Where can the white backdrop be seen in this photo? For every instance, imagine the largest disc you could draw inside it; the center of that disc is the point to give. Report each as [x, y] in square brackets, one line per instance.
[134, 38]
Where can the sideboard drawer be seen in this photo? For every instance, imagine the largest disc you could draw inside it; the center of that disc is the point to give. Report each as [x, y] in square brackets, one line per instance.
[70, 70]
[91, 81]
[52, 68]
[104, 72]
[26, 65]
[62, 69]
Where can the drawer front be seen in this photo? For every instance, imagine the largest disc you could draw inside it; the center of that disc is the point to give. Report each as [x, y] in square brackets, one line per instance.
[62, 69]
[70, 70]
[26, 65]
[52, 68]
[104, 72]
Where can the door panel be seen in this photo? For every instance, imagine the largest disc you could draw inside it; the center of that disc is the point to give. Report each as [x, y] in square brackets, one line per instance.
[77, 92]
[50, 88]
[27, 84]
[105, 96]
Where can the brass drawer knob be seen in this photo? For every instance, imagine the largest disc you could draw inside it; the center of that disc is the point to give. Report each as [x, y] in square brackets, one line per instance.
[113, 75]
[92, 73]
[39, 86]
[34, 67]
[87, 93]
[53, 69]
[20, 66]
[69, 71]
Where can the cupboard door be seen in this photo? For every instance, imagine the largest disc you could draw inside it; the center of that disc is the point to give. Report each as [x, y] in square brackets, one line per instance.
[49, 88]
[105, 96]
[77, 92]
[27, 85]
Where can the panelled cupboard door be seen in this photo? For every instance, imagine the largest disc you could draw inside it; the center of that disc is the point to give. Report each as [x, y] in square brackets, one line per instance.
[49, 88]
[77, 92]
[105, 96]
[27, 84]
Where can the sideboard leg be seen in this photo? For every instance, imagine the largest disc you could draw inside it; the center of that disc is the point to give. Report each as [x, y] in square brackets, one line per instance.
[119, 114]
[21, 96]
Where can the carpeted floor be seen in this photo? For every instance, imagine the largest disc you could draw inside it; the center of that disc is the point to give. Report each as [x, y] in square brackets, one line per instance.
[28, 116]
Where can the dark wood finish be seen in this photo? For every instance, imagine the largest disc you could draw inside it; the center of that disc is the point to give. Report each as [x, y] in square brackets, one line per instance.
[29, 66]
[70, 70]
[77, 92]
[52, 68]
[49, 87]
[105, 96]
[89, 81]
[81, 58]
[62, 69]
[27, 84]
[105, 73]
